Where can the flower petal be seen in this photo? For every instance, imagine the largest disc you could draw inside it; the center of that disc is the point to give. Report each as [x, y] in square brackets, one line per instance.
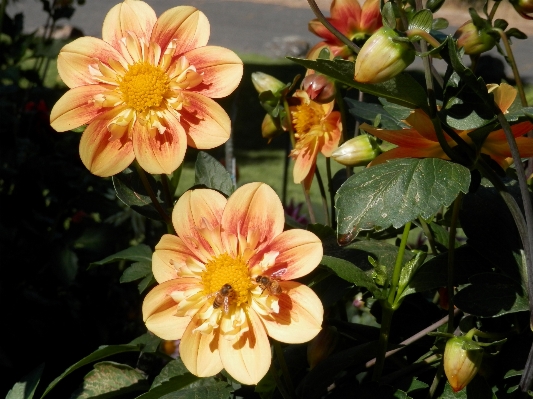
[206, 123]
[402, 137]
[248, 358]
[332, 136]
[254, 209]
[75, 108]
[300, 314]
[132, 16]
[300, 252]
[345, 10]
[305, 162]
[165, 324]
[370, 17]
[186, 24]
[77, 57]
[221, 70]
[170, 252]
[160, 152]
[407, 152]
[199, 351]
[316, 27]
[195, 210]
[103, 157]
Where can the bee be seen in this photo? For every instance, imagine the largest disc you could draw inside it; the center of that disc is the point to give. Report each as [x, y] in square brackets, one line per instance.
[222, 297]
[267, 283]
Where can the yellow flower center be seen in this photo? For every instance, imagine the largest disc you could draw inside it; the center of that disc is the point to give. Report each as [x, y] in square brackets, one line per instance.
[305, 117]
[144, 86]
[225, 269]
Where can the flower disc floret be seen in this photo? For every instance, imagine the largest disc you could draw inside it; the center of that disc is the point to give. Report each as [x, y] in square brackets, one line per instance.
[144, 86]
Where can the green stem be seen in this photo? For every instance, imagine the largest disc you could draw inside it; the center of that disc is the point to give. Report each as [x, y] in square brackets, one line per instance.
[511, 61]
[425, 35]
[493, 10]
[323, 195]
[451, 256]
[148, 188]
[351, 45]
[429, 235]
[166, 190]
[284, 369]
[331, 192]
[312, 216]
[398, 265]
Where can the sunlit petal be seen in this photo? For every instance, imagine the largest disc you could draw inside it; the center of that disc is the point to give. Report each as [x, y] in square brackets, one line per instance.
[170, 254]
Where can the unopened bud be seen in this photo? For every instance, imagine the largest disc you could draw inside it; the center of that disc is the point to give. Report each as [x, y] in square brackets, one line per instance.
[319, 88]
[358, 151]
[473, 40]
[461, 365]
[264, 82]
[381, 58]
[269, 130]
[523, 7]
[323, 345]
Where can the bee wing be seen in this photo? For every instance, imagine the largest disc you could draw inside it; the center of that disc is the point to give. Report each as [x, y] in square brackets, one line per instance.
[278, 273]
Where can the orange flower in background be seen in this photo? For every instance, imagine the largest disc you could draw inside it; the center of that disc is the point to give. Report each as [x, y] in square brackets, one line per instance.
[224, 282]
[317, 128]
[145, 90]
[420, 140]
[353, 21]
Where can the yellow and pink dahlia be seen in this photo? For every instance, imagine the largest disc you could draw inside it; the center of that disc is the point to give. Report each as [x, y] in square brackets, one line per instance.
[235, 243]
[145, 91]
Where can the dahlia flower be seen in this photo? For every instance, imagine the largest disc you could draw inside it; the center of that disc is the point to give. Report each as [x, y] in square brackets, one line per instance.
[145, 90]
[212, 291]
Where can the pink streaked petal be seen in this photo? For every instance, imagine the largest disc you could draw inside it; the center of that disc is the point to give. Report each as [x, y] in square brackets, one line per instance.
[300, 252]
[305, 162]
[518, 130]
[220, 68]
[165, 324]
[170, 253]
[316, 27]
[103, 157]
[300, 314]
[186, 24]
[370, 17]
[129, 16]
[76, 108]
[206, 123]
[75, 58]
[159, 299]
[405, 152]
[501, 148]
[421, 122]
[247, 359]
[160, 153]
[333, 135]
[403, 137]
[254, 209]
[345, 9]
[198, 209]
[200, 352]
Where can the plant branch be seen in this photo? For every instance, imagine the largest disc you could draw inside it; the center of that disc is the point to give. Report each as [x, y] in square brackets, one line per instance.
[451, 256]
[148, 188]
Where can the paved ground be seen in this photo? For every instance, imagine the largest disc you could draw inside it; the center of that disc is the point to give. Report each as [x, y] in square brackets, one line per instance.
[266, 27]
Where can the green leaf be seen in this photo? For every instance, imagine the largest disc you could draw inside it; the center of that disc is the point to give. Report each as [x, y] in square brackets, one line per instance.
[402, 89]
[113, 379]
[100, 353]
[25, 388]
[66, 266]
[131, 191]
[513, 32]
[210, 173]
[491, 295]
[388, 15]
[439, 24]
[172, 369]
[138, 253]
[146, 282]
[408, 271]
[434, 5]
[369, 112]
[422, 19]
[398, 192]
[351, 273]
[136, 271]
[148, 341]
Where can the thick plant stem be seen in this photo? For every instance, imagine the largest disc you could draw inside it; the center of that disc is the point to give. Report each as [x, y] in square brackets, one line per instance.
[511, 61]
[148, 188]
[388, 309]
[284, 369]
[351, 45]
[451, 256]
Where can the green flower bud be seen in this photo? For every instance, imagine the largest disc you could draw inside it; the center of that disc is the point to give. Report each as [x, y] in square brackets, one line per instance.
[358, 151]
[263, 82]
[461, 365]
[269, 129]
[473, 40]
[381, 58]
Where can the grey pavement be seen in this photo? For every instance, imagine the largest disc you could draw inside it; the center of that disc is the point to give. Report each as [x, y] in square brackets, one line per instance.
[245, 27]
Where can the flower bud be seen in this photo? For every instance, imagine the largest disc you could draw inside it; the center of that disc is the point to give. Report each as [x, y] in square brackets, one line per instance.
[461, 365]
[319, 88]
[358, 151]
[473, 40]
[381, 58]
[263, 82]
[523, 7]
[323, 345]
[269, 130]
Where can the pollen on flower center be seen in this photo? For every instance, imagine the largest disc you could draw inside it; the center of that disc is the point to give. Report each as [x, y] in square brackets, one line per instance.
[144, 86]
[304, 117]
[225, 269]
